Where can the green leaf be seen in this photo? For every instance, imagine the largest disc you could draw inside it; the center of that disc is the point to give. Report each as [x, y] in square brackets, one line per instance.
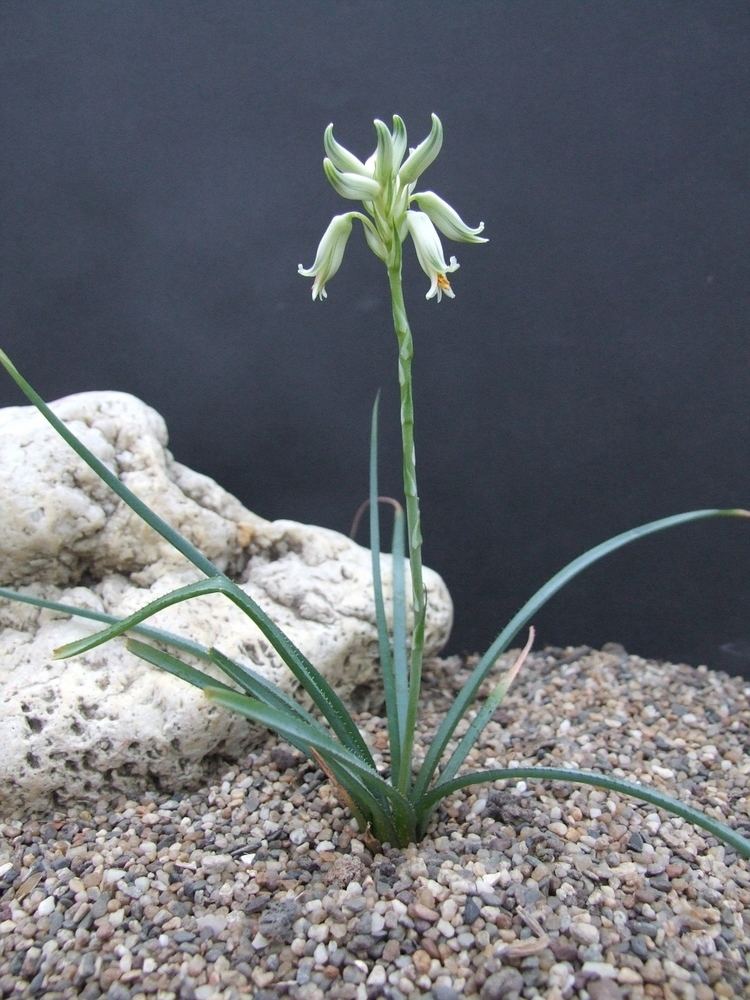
[529, 609]
[386, 660]
[719, 830]
[403, 815]
[214, 585]
[258, 687]
[169, 663]
[157, 634]
[485, 713]
[321, 692]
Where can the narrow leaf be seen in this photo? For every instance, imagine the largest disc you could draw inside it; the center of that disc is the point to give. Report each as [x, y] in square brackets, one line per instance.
[258, 687]
[485, 713]
[719, 830]
[170, 664]
[529, 609]
[326, 699]
[156, 634]
[213, 585]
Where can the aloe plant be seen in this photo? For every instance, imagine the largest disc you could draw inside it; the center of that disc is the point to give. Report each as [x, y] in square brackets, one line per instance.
[393, 806]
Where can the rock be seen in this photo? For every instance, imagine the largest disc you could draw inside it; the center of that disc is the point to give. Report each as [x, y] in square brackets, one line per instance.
[106, 720]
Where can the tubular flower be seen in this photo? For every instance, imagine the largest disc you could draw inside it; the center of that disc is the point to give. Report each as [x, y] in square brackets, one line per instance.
[385, 183]
[430, 255]
[329, 256]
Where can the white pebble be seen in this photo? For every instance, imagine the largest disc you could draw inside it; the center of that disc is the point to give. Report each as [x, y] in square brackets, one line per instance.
[601, 969]
[325, 845]
[46, 906]
[652, 822]
[585, 933]
[377, 976]
[662, 772]
[212, 863]
[113, 875]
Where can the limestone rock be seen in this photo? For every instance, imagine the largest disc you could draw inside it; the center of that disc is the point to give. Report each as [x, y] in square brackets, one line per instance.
[107, 720]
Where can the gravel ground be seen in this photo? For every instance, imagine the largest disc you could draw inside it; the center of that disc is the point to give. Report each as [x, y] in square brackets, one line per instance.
[259, 886]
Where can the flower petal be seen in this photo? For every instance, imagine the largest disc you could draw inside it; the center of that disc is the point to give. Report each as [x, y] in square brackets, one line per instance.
[420, 158]
[383, 154]
[355, 186]
[447, 219]
[339, 156]
[399, 141]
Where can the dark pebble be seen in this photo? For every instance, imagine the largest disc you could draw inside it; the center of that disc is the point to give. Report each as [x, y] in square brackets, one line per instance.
[660, 883]
[504, 984]
[277, 919]
[635, 842]
[256, 904]
[36, 986]
[563, 950]
[352, 974]
[359, 944]
[639, 947]
[471, 911]
[643, 927]
[100, 906]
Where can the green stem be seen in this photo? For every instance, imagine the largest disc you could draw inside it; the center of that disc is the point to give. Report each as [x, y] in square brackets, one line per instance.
[414, 531]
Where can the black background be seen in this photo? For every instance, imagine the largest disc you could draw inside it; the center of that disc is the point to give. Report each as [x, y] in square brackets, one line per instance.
[161, 179]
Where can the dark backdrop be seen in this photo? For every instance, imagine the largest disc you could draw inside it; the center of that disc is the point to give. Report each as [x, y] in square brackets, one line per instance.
[161, 179]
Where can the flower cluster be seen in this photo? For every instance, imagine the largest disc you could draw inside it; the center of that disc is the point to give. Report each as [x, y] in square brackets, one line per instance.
[385, 184]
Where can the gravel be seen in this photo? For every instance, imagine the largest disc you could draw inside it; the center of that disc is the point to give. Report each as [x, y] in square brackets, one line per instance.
[261, 886]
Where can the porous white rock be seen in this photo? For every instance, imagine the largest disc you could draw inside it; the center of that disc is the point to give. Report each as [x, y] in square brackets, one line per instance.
[105, 718]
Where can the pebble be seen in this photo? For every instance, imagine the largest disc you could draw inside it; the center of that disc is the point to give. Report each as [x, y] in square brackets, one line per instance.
[585, 933]
[259, 885]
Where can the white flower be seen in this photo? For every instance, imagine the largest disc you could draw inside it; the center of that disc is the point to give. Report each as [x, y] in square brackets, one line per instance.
[430, 254]
[330, 254]
[385, 186]
[447, 219]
